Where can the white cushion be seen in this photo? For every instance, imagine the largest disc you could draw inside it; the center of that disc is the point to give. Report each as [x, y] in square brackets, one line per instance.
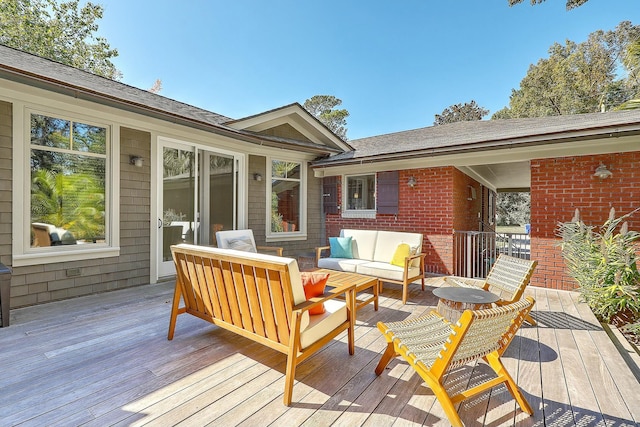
[341, 264]
[388, 241]
[385, 270]
[335, 314]
[363, 241]
[240, 244]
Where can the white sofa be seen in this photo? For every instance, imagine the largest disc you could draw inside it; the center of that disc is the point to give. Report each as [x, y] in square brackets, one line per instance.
[372, 252]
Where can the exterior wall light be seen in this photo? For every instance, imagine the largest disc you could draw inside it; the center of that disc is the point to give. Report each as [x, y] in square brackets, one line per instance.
[136, 161]
[602, 172]
[257, 177]
[411, 182]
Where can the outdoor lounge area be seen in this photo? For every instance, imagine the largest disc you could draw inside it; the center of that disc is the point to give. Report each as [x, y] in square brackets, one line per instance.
[104, 359]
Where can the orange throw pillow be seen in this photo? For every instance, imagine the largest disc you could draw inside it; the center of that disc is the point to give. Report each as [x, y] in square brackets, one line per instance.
[314, 284]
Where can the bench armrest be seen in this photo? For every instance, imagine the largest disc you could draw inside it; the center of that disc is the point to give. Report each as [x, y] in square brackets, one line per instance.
[319, 251]
[348, 291]
[275, 249]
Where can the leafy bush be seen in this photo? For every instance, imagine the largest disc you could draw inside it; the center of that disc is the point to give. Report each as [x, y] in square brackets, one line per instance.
[604, 263]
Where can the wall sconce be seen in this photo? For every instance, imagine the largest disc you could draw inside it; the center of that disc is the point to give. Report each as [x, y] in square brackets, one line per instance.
[472, 192]
[411, 182]
[257, 177]
[602, 172]
[136, 161]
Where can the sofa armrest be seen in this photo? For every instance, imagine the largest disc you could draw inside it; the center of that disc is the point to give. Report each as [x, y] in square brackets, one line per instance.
[319, 251]
[275, 249]
[408, 260]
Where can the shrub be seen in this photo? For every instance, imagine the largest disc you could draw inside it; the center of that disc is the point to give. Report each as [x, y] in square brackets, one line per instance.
[604, 264]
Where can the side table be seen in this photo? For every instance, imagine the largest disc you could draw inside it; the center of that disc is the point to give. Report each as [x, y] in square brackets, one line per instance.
[453, 301]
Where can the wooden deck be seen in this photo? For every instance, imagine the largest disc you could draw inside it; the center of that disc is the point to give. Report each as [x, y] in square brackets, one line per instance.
[105, 360]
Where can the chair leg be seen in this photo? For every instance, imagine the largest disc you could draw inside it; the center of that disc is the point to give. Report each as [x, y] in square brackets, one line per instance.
[530, 320]
[388, 355]
[496, 364]
[290, 377]
[174, 311]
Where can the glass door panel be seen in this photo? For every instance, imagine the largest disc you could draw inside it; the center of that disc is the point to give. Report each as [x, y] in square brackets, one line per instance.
[178, 198]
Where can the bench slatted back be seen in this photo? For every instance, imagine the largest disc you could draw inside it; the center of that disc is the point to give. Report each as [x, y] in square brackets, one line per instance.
[250, 297]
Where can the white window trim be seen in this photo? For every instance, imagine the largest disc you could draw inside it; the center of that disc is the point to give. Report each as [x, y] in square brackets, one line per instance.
[22, 253]
[358, 213]
[291, 235]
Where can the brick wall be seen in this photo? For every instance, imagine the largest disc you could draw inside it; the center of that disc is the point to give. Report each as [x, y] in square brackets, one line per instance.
[427, 208]
[559, 186]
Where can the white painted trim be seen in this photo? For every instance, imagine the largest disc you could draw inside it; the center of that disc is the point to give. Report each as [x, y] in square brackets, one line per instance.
[22, 253]
[288, 236]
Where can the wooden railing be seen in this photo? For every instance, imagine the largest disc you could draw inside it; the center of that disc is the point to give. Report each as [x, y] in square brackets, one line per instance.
[476, 251]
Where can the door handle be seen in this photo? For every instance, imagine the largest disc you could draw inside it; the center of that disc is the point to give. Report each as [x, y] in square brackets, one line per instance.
[159, 223]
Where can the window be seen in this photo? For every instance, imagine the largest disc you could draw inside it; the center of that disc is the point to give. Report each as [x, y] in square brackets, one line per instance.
[68, 165]
[361, 192]
[286, 197]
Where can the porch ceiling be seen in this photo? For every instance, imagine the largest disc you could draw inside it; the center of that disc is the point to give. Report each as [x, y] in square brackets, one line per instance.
[502, 175]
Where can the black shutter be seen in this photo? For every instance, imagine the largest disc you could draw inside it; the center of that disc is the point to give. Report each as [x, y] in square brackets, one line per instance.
[330, 194]
[387, 202]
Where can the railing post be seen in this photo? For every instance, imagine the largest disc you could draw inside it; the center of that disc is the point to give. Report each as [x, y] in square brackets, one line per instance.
[468, 255]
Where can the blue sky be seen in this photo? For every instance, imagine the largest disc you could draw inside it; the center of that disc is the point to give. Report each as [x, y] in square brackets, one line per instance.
[394, 64]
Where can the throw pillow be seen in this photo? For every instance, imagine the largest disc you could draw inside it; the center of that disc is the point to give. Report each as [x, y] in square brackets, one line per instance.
[402, 251]
[341, 247]
[314, 284]
[241, 244]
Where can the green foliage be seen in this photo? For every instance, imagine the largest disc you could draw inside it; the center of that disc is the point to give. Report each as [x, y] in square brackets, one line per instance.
[75, 202]
[513, 208]
[604, 264]
[570, 3]
[579, 77]
[61, 31]
[323, 107]
[466, 112]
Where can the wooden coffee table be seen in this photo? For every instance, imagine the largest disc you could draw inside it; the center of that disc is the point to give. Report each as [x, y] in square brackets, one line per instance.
[361, 282]
[453, 301]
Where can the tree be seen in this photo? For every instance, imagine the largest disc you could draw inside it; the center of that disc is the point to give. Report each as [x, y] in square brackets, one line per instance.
[513, 208]
[323, 107]
[62, 32]
[466, 112]
[570, 3]
[578, 77]
[632, 62]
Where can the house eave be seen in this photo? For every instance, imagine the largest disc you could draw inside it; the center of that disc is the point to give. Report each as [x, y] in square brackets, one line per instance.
[83, 93]
[617, 131]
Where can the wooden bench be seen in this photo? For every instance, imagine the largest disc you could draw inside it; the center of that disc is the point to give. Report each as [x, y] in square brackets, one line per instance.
[260, 297]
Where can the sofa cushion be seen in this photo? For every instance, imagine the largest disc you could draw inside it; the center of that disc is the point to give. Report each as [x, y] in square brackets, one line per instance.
[388, 241]
[241, 244]
[341, 247]
[341, 264]
[402, 252]
[363, 242]
[385, 270]
[335, 314]
[313, 285]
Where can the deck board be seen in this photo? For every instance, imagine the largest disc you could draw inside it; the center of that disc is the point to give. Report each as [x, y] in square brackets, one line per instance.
[105, 360]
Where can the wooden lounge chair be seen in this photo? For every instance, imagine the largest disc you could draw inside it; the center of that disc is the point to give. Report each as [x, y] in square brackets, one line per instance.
[508, 278]
[260, 297]
[433, 347]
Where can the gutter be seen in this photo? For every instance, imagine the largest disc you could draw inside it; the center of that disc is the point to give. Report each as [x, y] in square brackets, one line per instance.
[522, 142]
